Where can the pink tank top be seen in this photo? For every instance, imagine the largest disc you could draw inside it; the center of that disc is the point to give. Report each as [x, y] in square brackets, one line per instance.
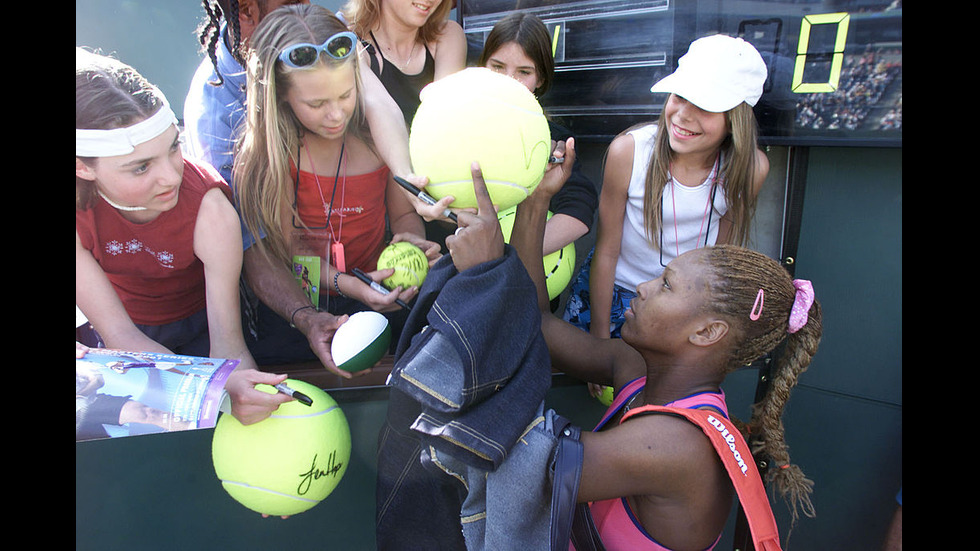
[619, 528]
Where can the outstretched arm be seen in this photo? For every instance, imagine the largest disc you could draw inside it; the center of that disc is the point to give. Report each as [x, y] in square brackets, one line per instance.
[572, 350]
[276, 287]
[218, 243]
[390, 135]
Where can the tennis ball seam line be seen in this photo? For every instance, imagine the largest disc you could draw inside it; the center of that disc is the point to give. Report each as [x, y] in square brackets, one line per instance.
[529, 155]
[268, 491]
[306, 415]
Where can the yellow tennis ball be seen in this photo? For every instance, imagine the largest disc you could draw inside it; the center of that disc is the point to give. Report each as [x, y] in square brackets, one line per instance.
[558, 266]
[479, 115]
[410, 264]
[287, 463]
[606, 397]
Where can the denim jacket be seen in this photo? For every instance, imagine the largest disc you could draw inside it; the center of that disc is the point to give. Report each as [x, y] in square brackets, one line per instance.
[473, 356]
[511, 507]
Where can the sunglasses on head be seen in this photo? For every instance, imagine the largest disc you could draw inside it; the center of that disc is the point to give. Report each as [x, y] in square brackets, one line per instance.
[338, 46]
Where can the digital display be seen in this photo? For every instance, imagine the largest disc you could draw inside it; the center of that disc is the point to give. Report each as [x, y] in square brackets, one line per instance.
[835, 67]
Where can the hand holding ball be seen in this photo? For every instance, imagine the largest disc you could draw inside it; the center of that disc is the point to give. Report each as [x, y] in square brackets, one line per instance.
[482, 116]
[410, 264]
[287, 463]
[558, 266]
[361, 341]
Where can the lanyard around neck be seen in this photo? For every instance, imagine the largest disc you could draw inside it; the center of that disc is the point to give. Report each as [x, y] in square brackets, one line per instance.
[706, 218]
[328, 208]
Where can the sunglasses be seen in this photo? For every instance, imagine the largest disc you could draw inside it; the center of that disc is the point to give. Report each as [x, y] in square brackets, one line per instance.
[338, 46]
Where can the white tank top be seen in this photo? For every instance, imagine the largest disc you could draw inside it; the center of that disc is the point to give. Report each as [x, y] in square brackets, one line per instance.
[693, 226]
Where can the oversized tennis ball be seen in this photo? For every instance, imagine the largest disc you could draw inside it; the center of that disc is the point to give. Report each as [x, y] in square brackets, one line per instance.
[287, 463]
[410, 264]
[361, 341]
[479, 115]
[558, 266]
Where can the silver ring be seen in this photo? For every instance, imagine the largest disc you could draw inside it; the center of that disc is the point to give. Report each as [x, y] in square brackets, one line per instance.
[459, 229]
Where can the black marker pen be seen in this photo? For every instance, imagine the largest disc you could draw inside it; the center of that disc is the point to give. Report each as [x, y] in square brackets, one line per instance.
[425, 197]
[300, 397]
[378, 287]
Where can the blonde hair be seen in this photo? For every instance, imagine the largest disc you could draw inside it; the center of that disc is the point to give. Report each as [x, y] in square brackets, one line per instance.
[739, 275]
[266, 151]
[737, 174]
[364, 15]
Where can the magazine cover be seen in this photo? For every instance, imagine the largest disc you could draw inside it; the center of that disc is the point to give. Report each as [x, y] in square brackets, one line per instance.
[119, 393]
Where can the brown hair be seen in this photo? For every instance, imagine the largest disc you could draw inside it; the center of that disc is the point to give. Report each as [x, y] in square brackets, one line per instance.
[108, 94]
[530, 33]
[740, 273]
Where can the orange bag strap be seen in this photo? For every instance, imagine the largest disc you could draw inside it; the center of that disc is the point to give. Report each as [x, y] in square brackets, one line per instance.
[737, 458]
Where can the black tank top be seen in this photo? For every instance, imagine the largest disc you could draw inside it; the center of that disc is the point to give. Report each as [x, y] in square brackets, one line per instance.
[404, 89]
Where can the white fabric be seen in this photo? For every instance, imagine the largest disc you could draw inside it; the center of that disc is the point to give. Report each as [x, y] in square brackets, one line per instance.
[123, 141]
[717, 73]
[639, 259]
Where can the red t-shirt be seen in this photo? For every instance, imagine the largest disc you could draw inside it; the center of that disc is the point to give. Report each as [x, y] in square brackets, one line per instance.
[357, 219]
[152, 266]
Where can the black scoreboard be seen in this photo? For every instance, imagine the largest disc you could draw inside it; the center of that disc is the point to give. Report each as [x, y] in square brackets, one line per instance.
[835, 67]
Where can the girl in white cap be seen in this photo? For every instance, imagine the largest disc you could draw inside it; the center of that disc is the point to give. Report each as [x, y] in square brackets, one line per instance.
[688, 181]
[158, 248]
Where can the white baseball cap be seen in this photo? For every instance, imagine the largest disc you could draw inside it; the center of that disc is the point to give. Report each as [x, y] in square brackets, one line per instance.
[717, 73]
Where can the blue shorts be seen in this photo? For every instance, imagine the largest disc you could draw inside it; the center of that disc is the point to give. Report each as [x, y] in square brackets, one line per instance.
[577, 310]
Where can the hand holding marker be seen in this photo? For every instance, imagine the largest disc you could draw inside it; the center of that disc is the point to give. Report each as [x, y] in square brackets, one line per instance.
[425, 197]
[299, 396]
[378, 287]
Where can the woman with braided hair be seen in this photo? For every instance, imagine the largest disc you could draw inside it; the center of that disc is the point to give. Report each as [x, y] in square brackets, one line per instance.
[655, 481]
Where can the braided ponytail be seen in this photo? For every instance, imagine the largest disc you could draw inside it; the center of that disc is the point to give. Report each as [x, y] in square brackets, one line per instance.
[758, 297]
[209, 32]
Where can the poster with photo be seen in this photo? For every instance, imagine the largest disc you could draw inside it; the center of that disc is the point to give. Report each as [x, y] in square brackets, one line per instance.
[120, 393]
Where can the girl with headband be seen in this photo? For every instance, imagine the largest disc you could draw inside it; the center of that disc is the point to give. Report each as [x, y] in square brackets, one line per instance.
[157, 239]
[654, 481]
[687, 181]
[306, 171]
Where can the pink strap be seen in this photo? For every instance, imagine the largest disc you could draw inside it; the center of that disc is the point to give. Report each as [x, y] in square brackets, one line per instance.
[801, 305]
[624, 395]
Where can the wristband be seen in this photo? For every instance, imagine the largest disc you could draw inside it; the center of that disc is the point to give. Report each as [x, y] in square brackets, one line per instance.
[335, 286]
[293, 315]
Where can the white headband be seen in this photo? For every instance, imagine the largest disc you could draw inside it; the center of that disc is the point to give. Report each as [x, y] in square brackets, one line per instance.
[122, 141]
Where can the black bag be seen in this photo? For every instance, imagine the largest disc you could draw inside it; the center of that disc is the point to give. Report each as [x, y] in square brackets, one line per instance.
[570, 521]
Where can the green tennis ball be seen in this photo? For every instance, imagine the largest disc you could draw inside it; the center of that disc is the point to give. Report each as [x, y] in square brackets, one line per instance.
[558, 266]
[287, 463]
[479, 115]
[361, 341]
[410, 264]
[606, 397]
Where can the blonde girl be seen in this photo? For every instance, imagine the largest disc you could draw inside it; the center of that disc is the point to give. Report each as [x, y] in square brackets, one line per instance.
[307, 174]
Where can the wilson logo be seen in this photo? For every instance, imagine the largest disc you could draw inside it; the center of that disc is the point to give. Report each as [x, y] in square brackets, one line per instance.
[730, 439]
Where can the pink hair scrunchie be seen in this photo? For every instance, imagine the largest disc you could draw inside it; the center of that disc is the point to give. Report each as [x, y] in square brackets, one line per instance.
[800, 313]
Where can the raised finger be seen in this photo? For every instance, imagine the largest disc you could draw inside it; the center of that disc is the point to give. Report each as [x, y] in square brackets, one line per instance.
[483, 202]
